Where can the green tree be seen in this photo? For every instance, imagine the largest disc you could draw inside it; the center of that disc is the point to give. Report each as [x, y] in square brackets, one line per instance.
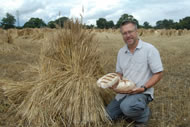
[34, 23]
[176, 25]
[126, 17]
[146, 25]
[8, 21]
[101, 23]
[165, 24]
[110, 24]
[60, 21]
[89, 26]
[185, 23]
[51, 24]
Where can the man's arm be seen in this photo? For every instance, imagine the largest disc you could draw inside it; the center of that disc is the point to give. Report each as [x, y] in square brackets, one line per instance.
[151, 82]
[154, 79]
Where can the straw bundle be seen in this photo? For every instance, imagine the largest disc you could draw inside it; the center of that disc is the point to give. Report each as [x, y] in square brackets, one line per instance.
[7, 42]
[1, 31]
[16, 91]
[20, 32]
[9, 37]
[3, 38]
[7, 48]
[66, 93]
[25, 33]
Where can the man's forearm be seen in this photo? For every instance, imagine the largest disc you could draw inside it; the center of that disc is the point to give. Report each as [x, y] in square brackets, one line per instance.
[154, 79]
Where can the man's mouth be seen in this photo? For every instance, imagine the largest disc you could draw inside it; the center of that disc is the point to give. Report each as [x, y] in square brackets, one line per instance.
[130, 39]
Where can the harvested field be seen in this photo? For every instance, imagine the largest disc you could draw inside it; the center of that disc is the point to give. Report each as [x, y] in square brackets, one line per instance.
[20, 62]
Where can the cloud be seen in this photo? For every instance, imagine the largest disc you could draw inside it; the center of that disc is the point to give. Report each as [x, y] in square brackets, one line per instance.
[48, 10]
[152, 12]
[31, 6]
[95, 9]
[1, 13]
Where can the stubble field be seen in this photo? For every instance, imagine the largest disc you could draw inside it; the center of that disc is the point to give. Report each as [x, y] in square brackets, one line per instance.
[19, 56]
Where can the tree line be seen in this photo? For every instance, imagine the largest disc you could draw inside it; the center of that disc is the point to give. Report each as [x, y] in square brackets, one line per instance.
[9, 22]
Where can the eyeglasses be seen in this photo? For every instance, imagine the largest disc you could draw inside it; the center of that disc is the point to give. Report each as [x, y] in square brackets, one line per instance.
[128, 32]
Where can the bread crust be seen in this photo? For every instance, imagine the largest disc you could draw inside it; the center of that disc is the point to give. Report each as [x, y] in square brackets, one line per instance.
[110, 79]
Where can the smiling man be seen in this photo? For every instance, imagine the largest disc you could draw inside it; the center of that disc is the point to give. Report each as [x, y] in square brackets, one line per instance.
[140, 62]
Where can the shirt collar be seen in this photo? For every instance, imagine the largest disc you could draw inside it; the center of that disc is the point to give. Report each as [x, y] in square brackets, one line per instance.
[139, 46]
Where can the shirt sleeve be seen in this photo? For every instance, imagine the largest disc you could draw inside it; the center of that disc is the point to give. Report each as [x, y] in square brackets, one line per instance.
[154, 60]
[118, 65]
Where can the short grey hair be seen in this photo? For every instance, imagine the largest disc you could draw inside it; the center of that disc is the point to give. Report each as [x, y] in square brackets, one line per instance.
[125, 22]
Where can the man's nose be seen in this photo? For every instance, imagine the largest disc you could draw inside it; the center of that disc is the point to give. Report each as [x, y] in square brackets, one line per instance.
[127, 35]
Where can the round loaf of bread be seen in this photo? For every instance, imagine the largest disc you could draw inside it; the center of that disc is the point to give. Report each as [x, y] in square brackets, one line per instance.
[126, 85]
[108, 80]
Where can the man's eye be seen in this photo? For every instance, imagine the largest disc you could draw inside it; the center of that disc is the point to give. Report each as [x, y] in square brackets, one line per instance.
[130, 32]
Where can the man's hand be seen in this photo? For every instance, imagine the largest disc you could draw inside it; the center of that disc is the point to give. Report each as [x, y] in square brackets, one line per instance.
[133, 91]
[120, 75]
[115, 85]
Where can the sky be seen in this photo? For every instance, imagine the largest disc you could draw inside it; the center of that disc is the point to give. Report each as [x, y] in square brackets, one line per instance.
[91, 10]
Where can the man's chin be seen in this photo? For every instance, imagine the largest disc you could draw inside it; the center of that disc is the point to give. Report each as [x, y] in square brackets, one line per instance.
[130, 42]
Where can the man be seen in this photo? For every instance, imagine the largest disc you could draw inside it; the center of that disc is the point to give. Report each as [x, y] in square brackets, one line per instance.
[139, 62]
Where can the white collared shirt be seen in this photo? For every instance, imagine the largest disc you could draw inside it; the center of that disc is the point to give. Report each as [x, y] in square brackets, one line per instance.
[139, 66]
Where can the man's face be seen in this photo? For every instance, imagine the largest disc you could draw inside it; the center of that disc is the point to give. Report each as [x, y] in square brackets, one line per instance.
[129, 33]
